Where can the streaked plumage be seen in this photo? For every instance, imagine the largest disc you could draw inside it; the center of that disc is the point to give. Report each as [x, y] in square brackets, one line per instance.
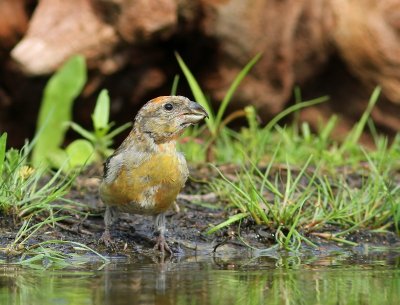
[146, 173]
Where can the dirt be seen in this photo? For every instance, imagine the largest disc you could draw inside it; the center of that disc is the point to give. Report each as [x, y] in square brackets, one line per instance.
[187, 229]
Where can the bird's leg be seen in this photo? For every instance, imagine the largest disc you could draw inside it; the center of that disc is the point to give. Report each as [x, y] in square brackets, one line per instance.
[159, 224]
[176, 207]
[109, 217]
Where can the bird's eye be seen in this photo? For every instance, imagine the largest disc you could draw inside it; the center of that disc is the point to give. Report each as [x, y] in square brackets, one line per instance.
[168, 107]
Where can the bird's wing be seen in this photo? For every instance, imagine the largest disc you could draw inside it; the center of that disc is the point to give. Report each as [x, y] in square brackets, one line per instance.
[183, 167]
[131, 158]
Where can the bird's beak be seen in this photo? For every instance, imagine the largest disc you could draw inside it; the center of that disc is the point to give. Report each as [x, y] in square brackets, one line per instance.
[198, 109]
[195, 113]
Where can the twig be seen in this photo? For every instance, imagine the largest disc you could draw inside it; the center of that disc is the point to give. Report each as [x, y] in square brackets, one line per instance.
[209, 197]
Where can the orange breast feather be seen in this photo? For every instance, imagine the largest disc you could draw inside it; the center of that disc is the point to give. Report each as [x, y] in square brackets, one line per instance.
[150, 188]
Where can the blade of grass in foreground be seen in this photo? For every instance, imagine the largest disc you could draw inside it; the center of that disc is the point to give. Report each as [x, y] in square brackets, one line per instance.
[230, 220]
[77, 246]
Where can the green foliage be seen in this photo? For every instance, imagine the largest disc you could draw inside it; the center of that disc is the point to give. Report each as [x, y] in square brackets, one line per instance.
[23, 191]
[355, 134]
[214, 122]
[197, 92]
[311, 182]
[43, 255]
[175, 83]
[56, 115]
[80, 152]
[229, 145]
[3, 142]
[96, 144]
[36, 198]
[232, 89]
[56, 108]
[101, 114]
[309, 191]
[252, 141]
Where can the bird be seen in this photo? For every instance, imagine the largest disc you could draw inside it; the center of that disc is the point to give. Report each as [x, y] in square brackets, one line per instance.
[146, 173]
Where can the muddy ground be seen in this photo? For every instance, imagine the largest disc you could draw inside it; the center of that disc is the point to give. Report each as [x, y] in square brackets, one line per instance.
[186, 235]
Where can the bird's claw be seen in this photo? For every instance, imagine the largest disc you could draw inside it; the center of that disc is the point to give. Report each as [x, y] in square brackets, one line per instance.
[107, 240]
[162, 245]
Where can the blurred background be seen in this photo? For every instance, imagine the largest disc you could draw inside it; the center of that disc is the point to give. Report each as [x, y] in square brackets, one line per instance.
[339, 48]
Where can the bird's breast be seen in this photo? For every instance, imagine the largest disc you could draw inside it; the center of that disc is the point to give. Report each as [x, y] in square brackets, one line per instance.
[149, 188]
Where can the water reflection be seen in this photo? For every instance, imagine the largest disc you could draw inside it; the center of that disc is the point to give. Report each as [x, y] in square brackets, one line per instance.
[333, 279]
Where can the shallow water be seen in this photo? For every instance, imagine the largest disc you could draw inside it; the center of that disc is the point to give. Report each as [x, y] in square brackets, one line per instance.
[337, 278]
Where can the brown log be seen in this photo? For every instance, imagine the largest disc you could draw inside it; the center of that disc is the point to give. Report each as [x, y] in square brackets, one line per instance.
[59, 29]
[343, 48]
[13, 22]
[291, 35]
[139, 20]
[367, 34]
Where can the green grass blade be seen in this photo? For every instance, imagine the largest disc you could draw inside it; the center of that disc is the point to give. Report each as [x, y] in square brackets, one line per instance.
[84, 247]
[231, 184]
[197, 92]
[227, 222]
[82, 131]
[356, 132]
[327, 130]
[29, 231]
[302, 173]
[3, 141]
[232, 89]
[175, 83]
[294, 108]
[117, 131]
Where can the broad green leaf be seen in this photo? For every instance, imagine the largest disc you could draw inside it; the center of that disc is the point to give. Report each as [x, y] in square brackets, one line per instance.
[101, 112]
[56, 108]
[80, 152]
[3, 141]
[58, 159]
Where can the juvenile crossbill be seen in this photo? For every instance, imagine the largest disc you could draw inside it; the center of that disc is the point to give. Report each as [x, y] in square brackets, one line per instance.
[146, 173]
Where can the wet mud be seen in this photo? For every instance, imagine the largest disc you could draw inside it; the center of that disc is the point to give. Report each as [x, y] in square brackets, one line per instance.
[200, 210]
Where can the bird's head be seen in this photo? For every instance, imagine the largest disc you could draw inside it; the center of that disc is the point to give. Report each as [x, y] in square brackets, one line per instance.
[166, 117]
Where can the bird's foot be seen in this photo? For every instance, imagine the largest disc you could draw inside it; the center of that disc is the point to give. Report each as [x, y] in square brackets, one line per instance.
[162, 245]
[107, 240]
[176, 207]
